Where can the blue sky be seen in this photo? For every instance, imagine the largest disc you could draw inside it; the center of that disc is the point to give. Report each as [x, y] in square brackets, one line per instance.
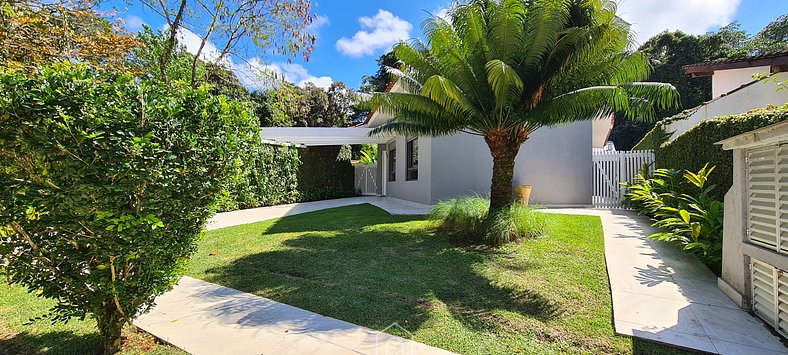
[351, 34]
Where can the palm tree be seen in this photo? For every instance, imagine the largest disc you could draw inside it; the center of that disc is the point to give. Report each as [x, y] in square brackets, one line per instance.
[503, 69]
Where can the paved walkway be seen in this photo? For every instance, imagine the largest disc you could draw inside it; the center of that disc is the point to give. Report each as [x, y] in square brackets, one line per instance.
[203, 318]
[390, 205]
[662, 294]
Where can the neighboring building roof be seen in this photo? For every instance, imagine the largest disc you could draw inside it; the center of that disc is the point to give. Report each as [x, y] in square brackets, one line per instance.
[778, 61]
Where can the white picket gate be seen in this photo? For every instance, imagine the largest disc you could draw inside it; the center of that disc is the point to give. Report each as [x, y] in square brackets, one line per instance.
[366, 184]
[613, 167]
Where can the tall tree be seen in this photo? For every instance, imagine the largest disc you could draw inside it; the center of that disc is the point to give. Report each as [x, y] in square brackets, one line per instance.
[504, 69]
[180, 67]
[235, 27]
[41, 32]
[378, 81]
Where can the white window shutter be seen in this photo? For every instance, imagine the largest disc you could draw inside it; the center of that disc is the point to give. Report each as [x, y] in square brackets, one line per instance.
[770, 294]
[763, 199]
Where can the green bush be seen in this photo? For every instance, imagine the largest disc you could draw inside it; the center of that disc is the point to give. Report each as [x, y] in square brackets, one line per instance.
[691, 221]
[696, 147]
[106, 184]
[264, 175]
[467, 219]
[267, 175]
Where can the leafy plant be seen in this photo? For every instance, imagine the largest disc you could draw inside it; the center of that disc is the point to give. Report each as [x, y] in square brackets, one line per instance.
[107, 182]
[692, 221]
[467, 219]
[697, 146]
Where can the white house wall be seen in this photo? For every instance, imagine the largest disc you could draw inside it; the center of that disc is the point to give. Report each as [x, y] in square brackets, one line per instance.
[725, 81]
[556, 161]
[415, 190]
[757, 95]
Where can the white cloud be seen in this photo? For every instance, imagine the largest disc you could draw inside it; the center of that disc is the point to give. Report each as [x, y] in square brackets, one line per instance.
[318, 22]
[253, 73]
[256, 75]
[378, 32]
[192, 43]
[649, 17]
[133, 23]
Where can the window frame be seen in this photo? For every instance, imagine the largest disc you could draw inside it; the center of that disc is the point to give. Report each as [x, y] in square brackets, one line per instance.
[392, 162]
[411, 167]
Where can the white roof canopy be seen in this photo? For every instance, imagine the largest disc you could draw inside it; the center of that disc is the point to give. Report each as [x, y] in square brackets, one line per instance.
[315, 136]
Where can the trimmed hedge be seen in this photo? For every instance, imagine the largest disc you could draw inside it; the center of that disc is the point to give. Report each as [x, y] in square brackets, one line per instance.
[658, 135]
[273, 175]
[696, 147]
[321, 176]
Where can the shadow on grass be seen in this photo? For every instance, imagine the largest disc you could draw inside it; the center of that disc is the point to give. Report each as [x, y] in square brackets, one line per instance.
[56, 342]
[373, 273]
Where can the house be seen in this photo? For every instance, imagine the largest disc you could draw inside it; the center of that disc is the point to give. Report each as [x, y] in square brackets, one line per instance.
[556, 161]
[755, 236]
[734, 89]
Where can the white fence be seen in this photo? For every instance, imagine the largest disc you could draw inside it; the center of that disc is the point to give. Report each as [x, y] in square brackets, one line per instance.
[610, 169]
[366, 182]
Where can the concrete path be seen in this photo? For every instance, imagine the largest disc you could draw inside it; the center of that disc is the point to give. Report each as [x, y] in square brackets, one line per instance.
[204, 318]
[390, 205]
[662, 294]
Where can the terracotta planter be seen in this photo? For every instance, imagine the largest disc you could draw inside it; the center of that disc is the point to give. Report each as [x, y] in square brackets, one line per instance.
[522, 193]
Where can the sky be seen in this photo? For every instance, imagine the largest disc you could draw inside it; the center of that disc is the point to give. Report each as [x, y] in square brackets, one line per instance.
[352, 34]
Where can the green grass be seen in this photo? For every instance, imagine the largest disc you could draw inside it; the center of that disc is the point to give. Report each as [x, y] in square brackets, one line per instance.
[77, 337]
[364, 266]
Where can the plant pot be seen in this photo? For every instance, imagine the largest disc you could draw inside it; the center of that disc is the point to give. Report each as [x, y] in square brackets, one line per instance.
[522, 193]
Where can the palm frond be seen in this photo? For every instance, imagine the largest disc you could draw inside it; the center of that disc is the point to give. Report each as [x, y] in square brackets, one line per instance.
[505, 83]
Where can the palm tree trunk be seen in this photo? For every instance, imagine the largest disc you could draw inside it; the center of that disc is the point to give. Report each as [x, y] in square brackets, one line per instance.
[504, 149]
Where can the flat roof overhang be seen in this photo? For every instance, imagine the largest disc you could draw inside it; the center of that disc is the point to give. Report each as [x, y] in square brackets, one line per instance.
[321, 136]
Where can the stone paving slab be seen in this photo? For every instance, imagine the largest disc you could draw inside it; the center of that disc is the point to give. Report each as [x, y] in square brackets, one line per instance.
[252, 215]
[661, 294]
[204, 318]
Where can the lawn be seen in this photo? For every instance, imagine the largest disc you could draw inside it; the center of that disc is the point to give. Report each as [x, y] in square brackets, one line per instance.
[364, 266]
[76, 337]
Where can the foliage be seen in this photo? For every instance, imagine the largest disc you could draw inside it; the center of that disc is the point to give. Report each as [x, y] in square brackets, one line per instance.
[38, 32]
[467, 219]
[322, 176]
[503, 69]
[106, 184]
[692, 148]
[264, 175]
[179, 68]
[233, 27]
[368, 154]
[670, 51]
[692, 220]
[659, 134]
[306, 106]
[381, 79]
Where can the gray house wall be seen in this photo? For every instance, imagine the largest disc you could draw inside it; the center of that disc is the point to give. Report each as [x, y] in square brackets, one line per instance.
[556, 161]
[415, 190]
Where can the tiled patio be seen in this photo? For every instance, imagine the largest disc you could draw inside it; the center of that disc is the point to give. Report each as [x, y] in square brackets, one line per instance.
[662, 294]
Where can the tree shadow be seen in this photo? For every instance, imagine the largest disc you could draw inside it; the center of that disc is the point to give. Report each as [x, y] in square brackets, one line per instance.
[57, 342]
[375, 273]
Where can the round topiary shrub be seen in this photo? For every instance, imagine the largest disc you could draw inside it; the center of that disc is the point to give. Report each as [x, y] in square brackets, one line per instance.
[106, 183]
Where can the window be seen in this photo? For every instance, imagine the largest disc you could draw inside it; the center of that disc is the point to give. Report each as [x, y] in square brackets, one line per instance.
[392, 164]
[413, 160]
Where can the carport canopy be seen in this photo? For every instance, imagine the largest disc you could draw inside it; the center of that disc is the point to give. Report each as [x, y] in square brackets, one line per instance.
[317, 136]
